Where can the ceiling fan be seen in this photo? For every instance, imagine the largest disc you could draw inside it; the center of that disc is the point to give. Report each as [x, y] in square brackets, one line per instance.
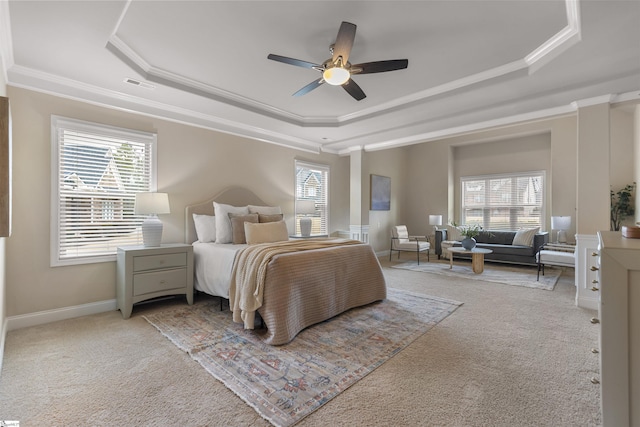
[337, 70]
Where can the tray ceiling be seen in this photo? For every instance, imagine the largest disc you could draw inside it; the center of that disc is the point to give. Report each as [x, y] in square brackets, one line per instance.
[472, 64]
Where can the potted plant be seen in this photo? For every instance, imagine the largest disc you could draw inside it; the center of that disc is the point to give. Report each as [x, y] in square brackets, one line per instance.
[622, 205]
[469, 232]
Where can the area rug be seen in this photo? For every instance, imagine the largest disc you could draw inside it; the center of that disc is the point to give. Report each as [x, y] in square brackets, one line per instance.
[493, 272]
[286, 383]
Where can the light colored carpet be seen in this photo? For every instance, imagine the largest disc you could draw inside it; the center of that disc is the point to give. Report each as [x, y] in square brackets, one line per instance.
[510, 356]
[506, 274]
[286, 383]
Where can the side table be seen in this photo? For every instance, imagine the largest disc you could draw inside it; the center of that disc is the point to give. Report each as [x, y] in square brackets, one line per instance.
[150, 272]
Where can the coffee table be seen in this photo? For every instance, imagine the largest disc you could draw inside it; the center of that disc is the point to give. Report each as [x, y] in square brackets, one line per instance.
[477, 257]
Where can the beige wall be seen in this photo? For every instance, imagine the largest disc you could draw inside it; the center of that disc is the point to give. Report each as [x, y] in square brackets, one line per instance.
[193, 164]
[435, 167]
[389, 163]
[3, 243]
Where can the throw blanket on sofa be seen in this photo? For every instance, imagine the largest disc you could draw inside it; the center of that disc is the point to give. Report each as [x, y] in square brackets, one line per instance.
[249, 272]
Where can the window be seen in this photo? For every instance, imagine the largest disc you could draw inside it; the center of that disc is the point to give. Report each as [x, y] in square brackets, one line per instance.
[312, 183]
[503, 202]
[96, 172]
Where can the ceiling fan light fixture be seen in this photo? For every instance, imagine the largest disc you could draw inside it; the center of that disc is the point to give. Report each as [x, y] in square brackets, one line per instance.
[336, 76]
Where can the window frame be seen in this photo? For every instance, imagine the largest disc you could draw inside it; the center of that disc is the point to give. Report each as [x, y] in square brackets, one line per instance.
[486, 217]
[59, 124]
[300, 193]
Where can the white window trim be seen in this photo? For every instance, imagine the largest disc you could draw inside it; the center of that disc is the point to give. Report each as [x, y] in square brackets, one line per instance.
[543, 207]
[57, 122]
[310, 165]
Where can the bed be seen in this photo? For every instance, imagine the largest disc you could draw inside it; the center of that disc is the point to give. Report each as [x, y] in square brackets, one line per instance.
[301, 282]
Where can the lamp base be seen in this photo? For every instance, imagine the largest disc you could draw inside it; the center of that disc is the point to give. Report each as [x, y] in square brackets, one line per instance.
[562, 236]
[152, 231]
[305, 227]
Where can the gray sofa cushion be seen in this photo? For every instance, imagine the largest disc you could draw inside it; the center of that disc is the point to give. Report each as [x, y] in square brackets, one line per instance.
[500, 242]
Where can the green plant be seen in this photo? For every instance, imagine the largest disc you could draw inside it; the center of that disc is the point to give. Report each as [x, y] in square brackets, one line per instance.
[470, 231]
[622, 205]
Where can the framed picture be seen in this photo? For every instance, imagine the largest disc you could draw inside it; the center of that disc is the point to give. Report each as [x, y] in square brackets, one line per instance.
[380, 193]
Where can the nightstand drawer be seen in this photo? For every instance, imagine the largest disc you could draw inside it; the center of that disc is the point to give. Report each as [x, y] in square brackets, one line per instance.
[145, 283]
[154, 262]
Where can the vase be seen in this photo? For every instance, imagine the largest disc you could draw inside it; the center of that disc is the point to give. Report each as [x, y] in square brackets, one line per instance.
[468, 243]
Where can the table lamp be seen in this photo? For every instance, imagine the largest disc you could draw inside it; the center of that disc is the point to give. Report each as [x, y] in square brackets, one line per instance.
[435, 220]
[305, 207]
[151, 204]
[561, 223]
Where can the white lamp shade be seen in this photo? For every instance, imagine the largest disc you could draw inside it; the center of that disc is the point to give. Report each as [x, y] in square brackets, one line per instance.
[560, 222]
[152, 203]
[305, 207]
[435, 219]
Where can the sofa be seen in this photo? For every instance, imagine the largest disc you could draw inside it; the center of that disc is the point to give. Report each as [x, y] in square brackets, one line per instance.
[501, 243]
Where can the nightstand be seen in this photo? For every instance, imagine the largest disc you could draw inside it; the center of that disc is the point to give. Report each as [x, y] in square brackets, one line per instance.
[150, 272]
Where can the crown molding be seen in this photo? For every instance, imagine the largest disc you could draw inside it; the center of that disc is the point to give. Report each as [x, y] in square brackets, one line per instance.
[539, 57]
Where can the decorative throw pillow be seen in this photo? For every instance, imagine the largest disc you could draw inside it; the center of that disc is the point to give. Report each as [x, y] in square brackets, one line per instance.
[268, 232]
[267, 210]
[524, 236]
[205, 227]
[270, 218]
[453, 233]
[224, 234]
[237, 226]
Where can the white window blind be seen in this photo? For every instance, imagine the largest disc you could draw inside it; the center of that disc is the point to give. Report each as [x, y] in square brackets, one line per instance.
[503, 202]
[97, 170]
[312, 183]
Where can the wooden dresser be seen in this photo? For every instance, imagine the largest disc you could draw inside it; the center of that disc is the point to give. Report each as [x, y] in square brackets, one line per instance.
[618, 267]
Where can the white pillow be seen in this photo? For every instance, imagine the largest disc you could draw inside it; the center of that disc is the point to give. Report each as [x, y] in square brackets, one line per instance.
[453, 233]
[266, 232]
[205, 227]
[265, 210]
[224, 232]
[524, 236]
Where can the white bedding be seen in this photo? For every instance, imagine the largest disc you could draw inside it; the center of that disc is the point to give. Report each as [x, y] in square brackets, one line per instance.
[213, 264]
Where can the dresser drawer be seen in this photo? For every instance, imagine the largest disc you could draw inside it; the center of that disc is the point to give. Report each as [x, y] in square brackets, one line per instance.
[144, 283]
[154, 262]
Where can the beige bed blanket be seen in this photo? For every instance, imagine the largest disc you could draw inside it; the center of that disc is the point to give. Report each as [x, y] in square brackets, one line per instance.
[295, 284]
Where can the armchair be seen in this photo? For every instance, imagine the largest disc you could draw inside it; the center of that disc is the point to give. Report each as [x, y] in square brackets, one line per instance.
[401, 241]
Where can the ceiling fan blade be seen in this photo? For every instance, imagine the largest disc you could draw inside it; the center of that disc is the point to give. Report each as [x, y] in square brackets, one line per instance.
[380, 66]
[354, 90]
[291, 61]
[308, 88]
[344, 41]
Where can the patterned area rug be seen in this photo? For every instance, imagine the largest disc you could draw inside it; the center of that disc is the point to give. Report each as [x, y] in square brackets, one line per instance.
[286, 383]
[493, 272]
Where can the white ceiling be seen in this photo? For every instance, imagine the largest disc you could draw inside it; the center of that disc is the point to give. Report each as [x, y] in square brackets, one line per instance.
[472, 64]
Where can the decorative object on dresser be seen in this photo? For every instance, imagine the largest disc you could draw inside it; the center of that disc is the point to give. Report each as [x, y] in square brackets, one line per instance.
[144, 273]
[152, 204]
[561, 224]
[305, 207]
[631, 232]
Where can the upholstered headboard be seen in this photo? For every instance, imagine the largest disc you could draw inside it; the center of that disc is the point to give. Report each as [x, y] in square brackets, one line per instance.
[236, 196]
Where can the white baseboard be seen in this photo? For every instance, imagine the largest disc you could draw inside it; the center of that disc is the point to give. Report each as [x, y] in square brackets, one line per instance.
[48, 316]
